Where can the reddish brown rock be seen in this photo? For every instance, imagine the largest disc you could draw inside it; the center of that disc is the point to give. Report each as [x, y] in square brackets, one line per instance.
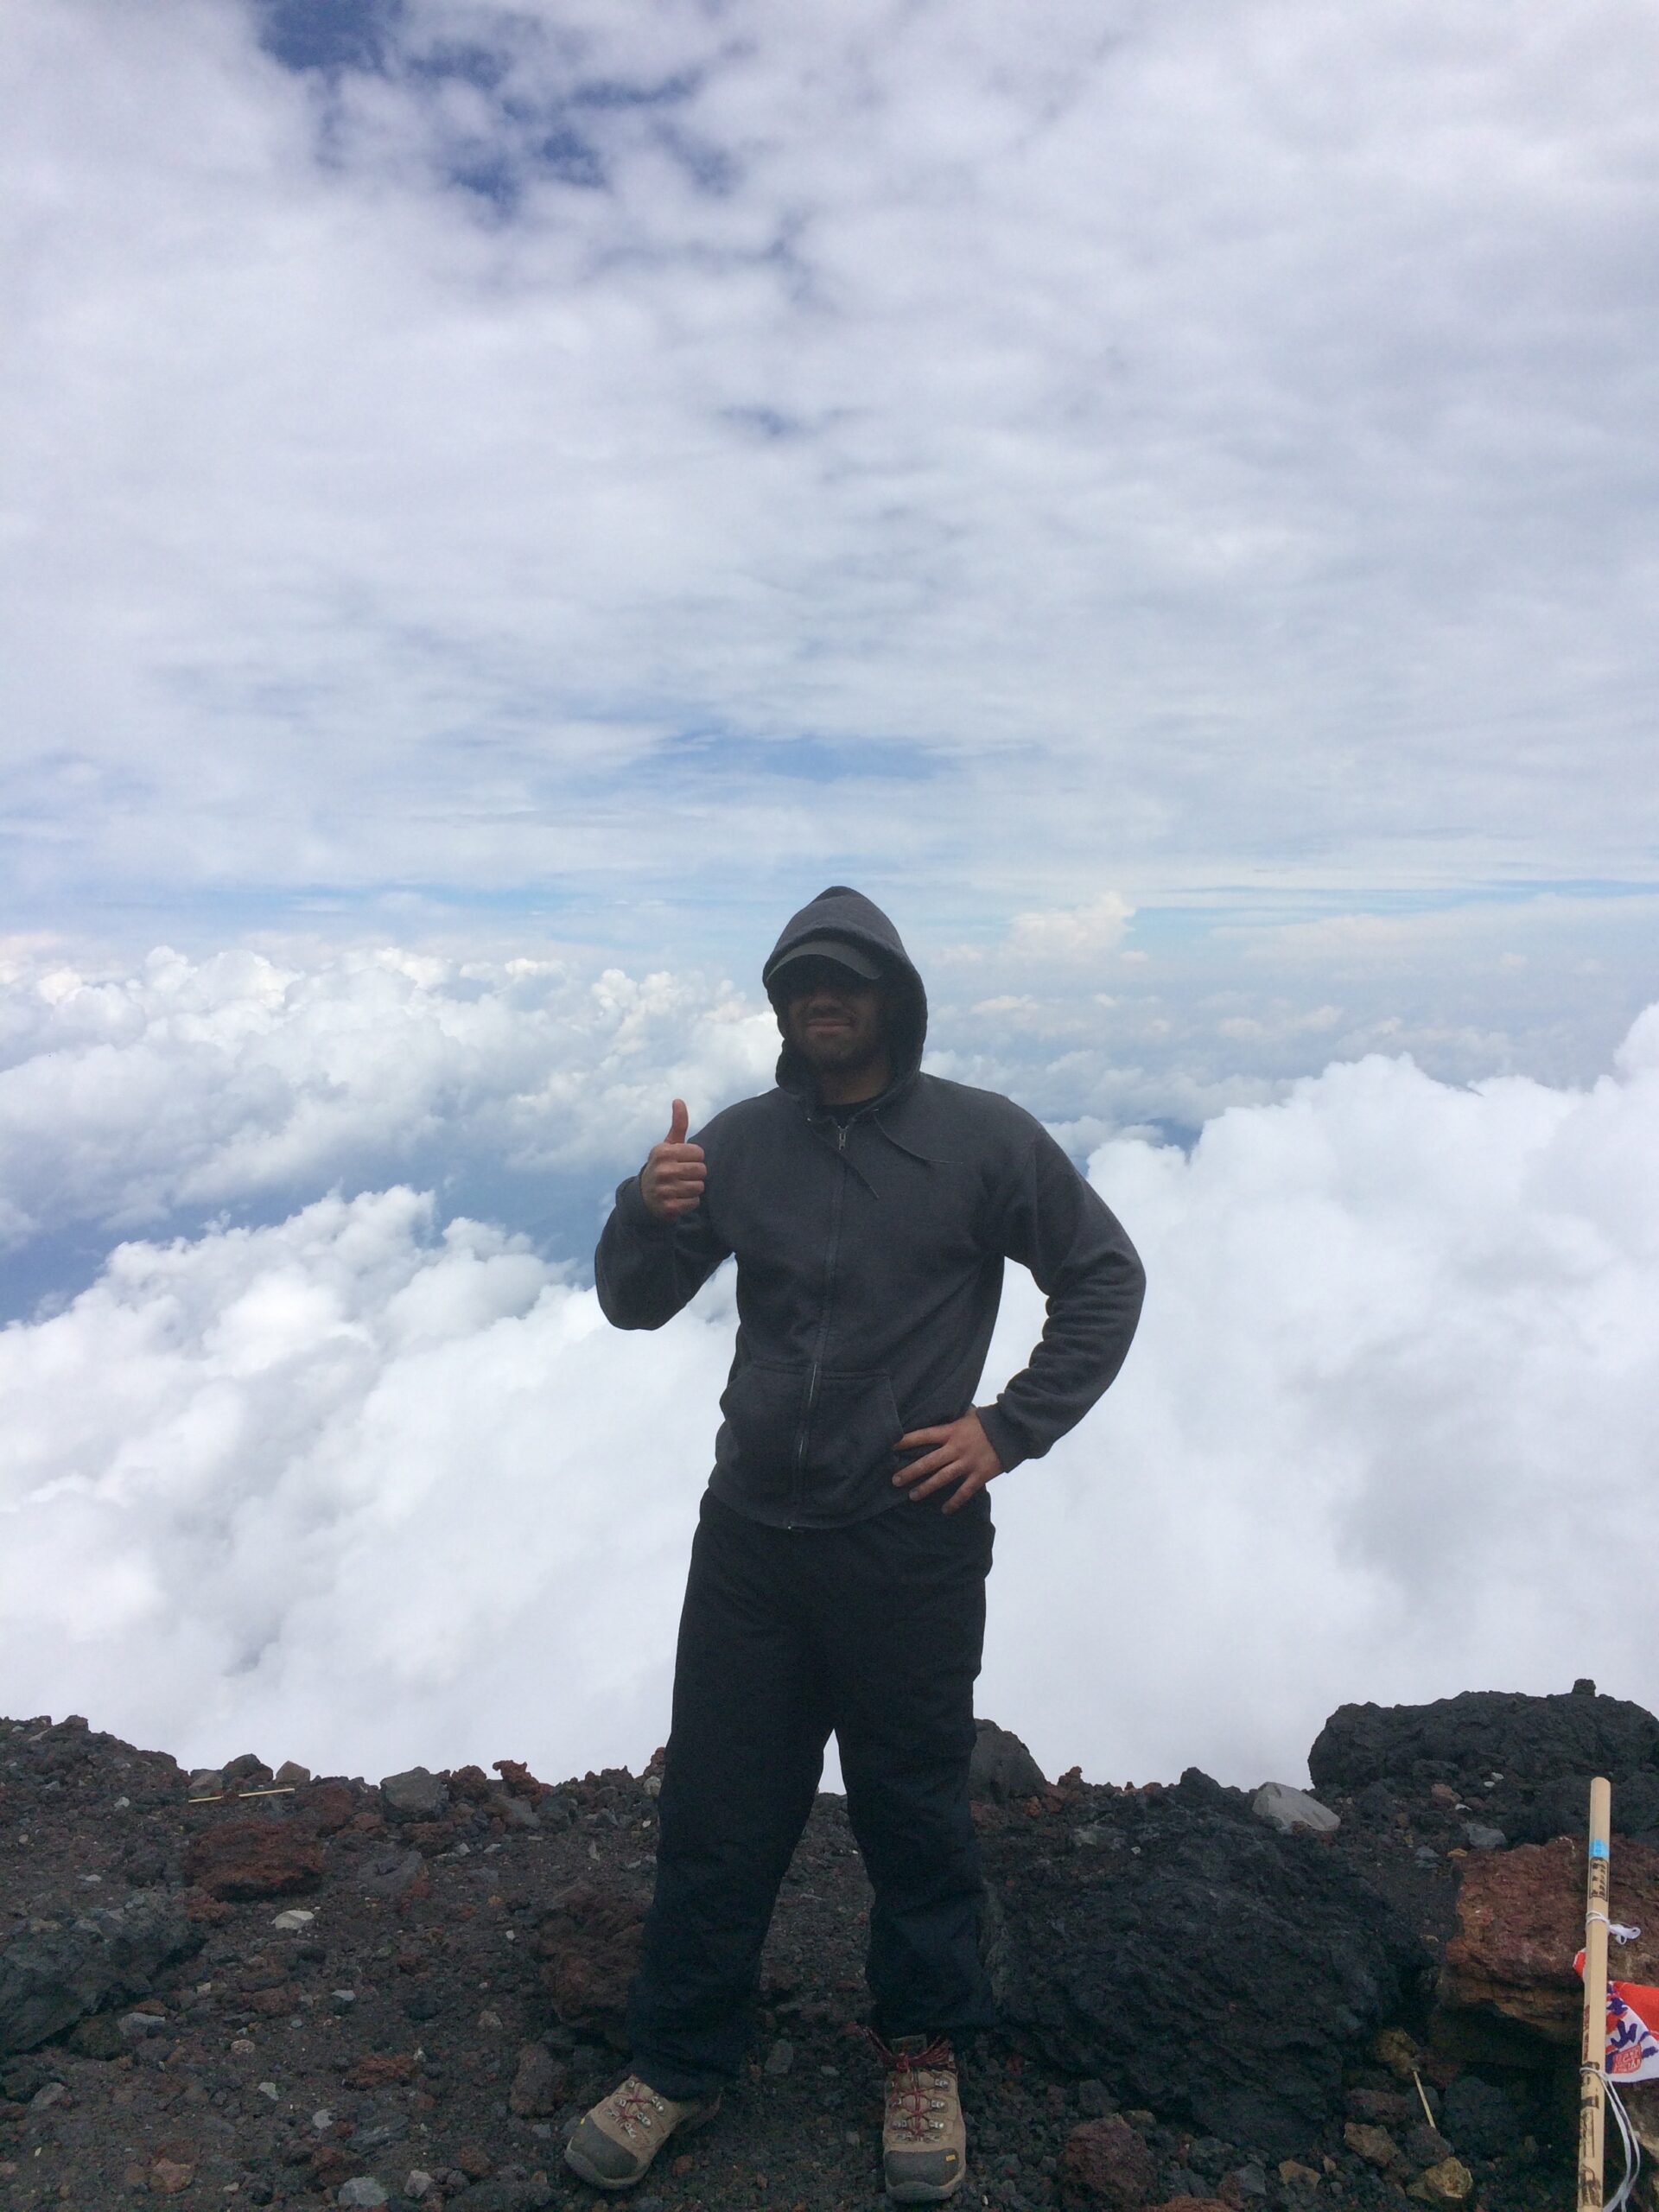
[517, 1780]
[538, 2084]
[474, 2162]
[428, 1837]
[327, 1807]
[169, 2175]
[1521, 1925]
[331, 2166]
[253, 1858]
[471, 1784]
[378, 2069]
[1105, 2162]
[591, 1943]
[1383, 2107]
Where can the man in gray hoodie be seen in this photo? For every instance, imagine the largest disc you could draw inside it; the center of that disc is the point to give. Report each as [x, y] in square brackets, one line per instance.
[837, 1578]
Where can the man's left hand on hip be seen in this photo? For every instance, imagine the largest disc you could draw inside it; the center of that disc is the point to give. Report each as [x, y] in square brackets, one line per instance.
[958, 1457]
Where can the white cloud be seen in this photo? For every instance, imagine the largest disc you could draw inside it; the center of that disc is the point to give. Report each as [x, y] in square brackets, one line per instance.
[967, 443]
[1385, 1436]
[193, 1085]
[349, 1490]
[341, 1484]
[1074, 933]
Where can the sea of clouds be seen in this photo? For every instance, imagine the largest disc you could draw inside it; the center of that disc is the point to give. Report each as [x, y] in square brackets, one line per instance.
[316, 1442]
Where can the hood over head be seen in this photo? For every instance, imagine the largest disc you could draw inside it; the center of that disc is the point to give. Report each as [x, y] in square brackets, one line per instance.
[848, 917]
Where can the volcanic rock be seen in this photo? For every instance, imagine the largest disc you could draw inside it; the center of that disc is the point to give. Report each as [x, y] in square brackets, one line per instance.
[1375, 2145]
[1190, 1910]
[51, 1979]
[1105, 2162]
[538, 2084]
[1449, 2182]
[1478, 2119]
[1288, 1809]
[415, 1794]
[1521, 1924]
[1002, 1767]
[591, 1943]
[249, 1769]
[494, 1977]
[253, 1858]
[1485, 1732]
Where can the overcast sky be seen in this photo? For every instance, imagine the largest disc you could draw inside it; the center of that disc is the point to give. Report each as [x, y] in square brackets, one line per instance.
[500, 504]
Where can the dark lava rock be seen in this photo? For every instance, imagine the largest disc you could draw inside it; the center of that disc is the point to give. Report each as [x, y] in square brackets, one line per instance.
[1485, 1732]
[1002, 1767]
[502, 2195]
[1559, 1808]
[249, 1768]
[50, 1979]
[1479, 2122]
[1201, 1965]
[415, 1794]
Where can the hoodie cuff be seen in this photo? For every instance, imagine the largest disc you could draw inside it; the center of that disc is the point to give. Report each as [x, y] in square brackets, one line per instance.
[633, 1213]
[1003, 1441]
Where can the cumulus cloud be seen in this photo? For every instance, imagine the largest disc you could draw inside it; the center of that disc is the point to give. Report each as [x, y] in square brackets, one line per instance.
[349, 1485]
[356, 1489]
[154, 1097]
[192, 1085]
[1073, 934]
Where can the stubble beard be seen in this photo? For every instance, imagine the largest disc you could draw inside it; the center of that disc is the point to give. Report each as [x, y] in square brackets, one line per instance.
[847, 1053]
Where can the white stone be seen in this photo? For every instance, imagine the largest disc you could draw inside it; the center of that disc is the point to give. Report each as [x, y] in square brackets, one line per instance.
[1286, 1809]
[295, 1918]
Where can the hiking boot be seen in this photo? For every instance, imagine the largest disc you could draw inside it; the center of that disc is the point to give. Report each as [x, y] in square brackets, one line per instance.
[923, 2143]
[615, 2144]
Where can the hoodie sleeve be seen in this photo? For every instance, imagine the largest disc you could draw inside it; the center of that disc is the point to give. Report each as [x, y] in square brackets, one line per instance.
[645, 1269]
[1082, 1261]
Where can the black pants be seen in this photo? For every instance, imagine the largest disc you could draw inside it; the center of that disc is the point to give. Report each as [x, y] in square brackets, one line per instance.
[873, 1631]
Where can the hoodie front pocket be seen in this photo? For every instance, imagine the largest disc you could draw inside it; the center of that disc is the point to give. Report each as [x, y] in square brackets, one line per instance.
[765, 1410]
[851, 1438]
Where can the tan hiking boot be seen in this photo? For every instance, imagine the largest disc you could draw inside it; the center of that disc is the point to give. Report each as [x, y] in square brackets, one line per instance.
[615, 2144]
[923, 2143]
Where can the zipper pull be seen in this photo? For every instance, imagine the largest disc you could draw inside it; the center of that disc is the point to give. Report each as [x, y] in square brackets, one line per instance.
[840, 1136]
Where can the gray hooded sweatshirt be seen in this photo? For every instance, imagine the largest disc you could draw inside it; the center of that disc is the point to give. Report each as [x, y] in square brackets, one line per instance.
[870, 1251]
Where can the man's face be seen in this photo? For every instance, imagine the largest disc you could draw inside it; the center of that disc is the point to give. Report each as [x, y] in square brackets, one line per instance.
[835, 1020]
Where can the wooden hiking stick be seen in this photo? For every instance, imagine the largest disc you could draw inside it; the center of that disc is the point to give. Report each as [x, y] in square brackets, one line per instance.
[1592, 2068]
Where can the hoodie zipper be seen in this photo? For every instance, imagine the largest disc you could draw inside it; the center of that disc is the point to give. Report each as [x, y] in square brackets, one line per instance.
[815, 1375]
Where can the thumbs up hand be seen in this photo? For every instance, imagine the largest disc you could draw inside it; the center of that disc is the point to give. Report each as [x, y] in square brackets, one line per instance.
[672, 1179]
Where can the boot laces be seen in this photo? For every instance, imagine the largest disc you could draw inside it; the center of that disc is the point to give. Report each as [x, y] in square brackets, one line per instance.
[635, 2106]
[914, 2078]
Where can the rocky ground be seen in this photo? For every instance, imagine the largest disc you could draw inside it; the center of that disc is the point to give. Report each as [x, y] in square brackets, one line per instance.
[244, 1988]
